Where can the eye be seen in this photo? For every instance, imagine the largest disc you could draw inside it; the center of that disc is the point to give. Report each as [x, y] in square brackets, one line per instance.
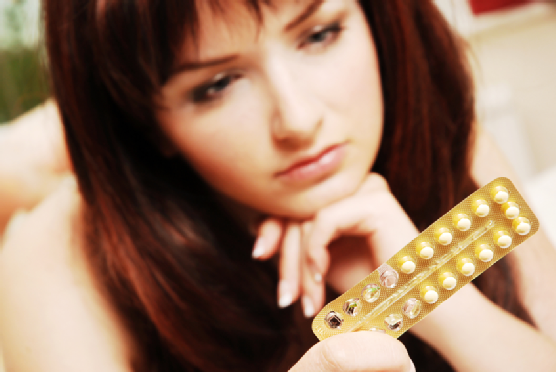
[322, 36]
[214, 89]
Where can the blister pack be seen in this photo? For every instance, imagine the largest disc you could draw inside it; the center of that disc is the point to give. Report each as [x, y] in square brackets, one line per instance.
[450, 253]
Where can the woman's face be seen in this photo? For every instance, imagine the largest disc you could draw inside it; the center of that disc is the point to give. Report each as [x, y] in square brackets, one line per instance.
[283, 116]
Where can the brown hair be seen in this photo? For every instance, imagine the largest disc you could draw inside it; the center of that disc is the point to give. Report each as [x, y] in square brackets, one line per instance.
[171, 260]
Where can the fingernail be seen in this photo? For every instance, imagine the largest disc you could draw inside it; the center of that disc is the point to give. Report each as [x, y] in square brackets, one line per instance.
[318, 277]
[308, 308]
[259, 247]
[285, 294]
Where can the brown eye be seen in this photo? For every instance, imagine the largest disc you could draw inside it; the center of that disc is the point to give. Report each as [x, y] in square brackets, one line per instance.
[323, 36]
[214, 89]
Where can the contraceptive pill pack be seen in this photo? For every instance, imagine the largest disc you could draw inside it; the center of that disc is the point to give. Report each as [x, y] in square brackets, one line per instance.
[450, 253]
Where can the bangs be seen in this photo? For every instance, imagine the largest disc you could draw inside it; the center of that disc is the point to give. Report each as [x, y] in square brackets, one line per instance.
[137, 43]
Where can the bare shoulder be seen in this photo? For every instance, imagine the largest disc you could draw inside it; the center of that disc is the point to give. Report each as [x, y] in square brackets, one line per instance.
[51, 316]
[535, 258]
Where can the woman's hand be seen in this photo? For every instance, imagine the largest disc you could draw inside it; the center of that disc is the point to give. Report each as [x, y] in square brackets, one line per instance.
[356, 351]
[344, 241]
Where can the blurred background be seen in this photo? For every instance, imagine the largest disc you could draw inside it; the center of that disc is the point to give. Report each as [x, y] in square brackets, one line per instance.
[512, 51]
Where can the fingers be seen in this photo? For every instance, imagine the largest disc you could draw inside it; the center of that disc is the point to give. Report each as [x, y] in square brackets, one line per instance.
[352, 217]
[289, 269]
[356, 352]
[268, 240]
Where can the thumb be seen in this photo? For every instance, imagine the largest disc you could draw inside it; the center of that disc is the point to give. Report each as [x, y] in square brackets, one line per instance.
[356, 352]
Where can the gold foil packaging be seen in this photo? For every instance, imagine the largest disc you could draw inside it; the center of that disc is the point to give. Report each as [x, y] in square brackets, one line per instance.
[450, 253]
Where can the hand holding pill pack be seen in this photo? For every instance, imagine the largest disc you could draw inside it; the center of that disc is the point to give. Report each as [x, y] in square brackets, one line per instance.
[450, 253]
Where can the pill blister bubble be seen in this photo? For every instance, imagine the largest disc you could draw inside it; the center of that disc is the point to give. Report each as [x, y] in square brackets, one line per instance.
[352, 306]
[502, 238]
[394, 322]
[511, 210]
[480, 207]
[484, 252]
[412, 308]
[333, 320]
[388, 276]
[521, 225]
[466, 266]
[443, 236]
[407, 265]
[379, 330]
[448, 280]
[462, 222]
[499, 194]
[429, 294]
[371, 292]
[425, 250]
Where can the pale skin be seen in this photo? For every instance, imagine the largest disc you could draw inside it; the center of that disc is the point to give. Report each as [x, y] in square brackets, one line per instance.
[302, 225]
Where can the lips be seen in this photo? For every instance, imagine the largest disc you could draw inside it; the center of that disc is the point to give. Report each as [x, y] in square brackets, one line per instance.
[314, 167]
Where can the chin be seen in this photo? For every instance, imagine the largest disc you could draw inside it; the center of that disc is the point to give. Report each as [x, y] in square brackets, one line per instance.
[306, 204]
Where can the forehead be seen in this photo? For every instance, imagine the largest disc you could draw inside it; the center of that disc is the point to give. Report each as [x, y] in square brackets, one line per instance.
[226, 25]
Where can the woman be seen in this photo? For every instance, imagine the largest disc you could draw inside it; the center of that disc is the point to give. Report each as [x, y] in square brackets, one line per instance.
[204, 133]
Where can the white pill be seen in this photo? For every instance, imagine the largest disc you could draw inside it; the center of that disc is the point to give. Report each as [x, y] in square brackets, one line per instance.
[468, 269]
[512, 212]
[426, 253]
[464, 224]
[449, 283]
[431, 297]
[523, 228]
[501, 197]
[482, 210]
[504, 241]
[445, 238]
[486, 255]
[408, 267]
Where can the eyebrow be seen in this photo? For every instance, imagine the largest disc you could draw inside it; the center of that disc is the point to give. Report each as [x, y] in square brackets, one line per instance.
[306, 13]
[309, 10]
[186, 66]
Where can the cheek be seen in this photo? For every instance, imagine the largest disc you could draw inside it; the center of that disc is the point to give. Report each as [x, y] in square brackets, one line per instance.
[223, 154]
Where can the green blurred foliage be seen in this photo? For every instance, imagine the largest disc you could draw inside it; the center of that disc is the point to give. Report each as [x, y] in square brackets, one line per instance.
[23, 82]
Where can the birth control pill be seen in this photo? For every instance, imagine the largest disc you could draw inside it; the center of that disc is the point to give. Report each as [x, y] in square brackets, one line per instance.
[429, 294]
[407, 265]
[521, 225]
[425, 250]
[462, 222]
[499, 194]
[502, 238]
[484, 252]
[480, 207]
[511, 210]
[443, 236]
[448, 280]
[466, 266]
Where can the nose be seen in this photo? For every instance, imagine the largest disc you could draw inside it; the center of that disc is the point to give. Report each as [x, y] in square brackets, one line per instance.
[297, 115]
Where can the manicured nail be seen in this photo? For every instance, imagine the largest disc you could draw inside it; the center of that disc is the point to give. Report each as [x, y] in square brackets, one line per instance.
[318, 277]
[285, 294]
[308, 308]
[259, 247]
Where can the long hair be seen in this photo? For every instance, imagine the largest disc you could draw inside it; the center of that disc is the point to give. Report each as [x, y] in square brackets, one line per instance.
[173, 263]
